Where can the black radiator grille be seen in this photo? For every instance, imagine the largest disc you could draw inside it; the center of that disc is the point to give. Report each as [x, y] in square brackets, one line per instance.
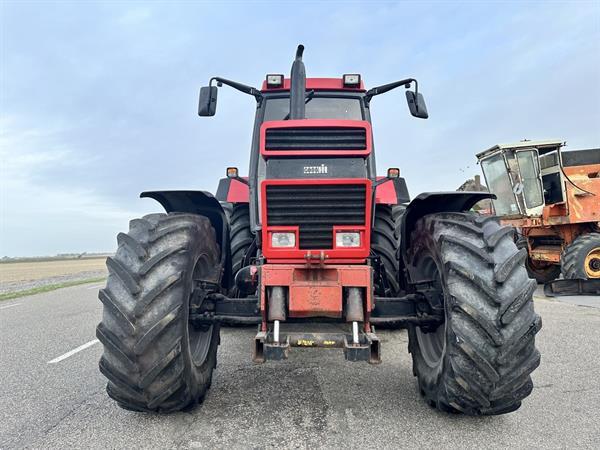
[315, 209]
[315, 138]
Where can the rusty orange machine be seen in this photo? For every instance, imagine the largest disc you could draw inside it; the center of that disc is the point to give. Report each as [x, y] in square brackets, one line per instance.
[553, 198]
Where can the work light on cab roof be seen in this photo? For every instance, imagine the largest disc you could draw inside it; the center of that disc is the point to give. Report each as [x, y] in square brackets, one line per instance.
[274, 81]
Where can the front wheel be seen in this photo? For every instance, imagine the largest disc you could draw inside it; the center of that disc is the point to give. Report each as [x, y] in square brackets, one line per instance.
[581, 258]
[154, 358]
[479, 360]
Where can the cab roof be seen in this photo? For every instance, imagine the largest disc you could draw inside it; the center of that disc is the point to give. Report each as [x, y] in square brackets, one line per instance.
[329, 84]
[542, 146]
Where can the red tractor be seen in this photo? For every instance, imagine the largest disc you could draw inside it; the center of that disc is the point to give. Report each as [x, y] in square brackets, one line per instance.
[312, 236]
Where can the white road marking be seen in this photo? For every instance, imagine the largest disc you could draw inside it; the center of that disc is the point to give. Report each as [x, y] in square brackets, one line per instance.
[72, 352]
[9, 306]
[96, 286]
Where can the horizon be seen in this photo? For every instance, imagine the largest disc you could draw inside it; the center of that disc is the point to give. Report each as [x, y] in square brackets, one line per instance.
[90, 122]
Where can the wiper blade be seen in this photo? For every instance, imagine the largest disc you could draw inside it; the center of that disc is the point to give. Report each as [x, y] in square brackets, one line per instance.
[309, 96]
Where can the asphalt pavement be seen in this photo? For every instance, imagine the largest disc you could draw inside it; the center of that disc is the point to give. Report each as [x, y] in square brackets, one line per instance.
[53, 396]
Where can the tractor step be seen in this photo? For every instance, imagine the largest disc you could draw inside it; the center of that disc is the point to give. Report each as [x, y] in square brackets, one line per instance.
[367, 349]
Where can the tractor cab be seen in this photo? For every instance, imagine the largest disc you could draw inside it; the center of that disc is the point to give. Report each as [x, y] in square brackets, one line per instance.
[524, 176]
[312, 187]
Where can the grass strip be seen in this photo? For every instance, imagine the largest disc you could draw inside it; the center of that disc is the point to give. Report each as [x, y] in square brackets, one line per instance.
[47, 288]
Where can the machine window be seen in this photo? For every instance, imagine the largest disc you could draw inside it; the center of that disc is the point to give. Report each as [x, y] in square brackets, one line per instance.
[532, 188]
[496, 176]
[316, 108]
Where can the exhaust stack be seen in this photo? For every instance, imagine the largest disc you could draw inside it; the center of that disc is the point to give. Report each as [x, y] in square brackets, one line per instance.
[298, 86]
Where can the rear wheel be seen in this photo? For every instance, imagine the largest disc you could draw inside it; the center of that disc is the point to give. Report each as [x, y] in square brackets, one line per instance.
[479, 360]
[540, 271]
[581, 259]
[242, 247]
[240, 236]
[154, 359]
[385, 240]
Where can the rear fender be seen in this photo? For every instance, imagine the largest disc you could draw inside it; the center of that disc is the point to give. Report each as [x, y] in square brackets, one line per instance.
[434, 202]
[231, 190]
[204, 204]
[392, 192]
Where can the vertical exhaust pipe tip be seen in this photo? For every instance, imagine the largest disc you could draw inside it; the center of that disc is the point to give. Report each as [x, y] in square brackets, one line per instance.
[297, 86]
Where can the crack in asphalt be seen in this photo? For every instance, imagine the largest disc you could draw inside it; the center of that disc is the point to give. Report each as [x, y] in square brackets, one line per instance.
[46, 431]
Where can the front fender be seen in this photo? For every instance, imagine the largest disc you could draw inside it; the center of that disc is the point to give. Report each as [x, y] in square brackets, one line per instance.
[204, 204]
[435, 202]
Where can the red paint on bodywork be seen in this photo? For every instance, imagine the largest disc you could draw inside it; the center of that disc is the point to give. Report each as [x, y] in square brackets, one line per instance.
[385, 193]
[328, 256]
[330, 84]
[315, 292]
[314, 123]
[238, 192]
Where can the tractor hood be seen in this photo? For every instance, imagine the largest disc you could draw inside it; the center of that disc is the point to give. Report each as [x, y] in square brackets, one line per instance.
[315, 137]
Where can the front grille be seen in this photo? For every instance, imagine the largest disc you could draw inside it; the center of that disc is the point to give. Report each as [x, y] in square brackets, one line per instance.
[315, 209]
[316, 138]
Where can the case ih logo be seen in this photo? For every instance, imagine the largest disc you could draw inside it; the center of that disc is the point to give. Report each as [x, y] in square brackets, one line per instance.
[315, 169]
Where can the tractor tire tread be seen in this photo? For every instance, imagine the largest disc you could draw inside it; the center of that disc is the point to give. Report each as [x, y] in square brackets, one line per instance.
[241, 236]
[490, 320]
[573, 256]
[385, 241]
[144, 329]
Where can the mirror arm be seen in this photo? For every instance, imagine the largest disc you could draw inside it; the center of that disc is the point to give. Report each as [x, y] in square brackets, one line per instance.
[239, 86]
[388, 87]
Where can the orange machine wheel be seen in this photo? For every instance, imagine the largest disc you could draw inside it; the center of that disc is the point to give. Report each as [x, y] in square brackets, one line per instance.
[592, 263]
[581, 259]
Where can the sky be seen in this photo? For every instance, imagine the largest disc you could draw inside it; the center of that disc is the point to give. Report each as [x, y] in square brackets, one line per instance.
[98, 100]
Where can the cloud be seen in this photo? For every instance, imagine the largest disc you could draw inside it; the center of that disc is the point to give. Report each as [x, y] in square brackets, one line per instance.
[41, 215]
[98, 99]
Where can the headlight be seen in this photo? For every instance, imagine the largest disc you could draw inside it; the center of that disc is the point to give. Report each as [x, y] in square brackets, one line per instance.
[347, 239]
[283, 240]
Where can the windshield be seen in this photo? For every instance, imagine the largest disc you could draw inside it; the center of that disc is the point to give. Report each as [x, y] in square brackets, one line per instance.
[498, 182]
[316, 108]
[530, 177]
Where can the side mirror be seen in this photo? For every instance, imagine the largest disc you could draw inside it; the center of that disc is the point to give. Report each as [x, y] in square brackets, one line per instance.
[416, 104]
[207, 106]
